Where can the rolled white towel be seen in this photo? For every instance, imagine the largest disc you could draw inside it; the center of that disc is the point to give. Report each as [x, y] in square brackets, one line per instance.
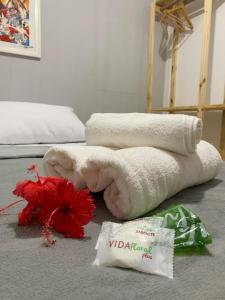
[177, 133]
[67, 161]
[137, 180]
[134, 180]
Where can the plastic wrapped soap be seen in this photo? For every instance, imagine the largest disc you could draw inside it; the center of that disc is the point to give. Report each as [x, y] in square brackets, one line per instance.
[136, 245]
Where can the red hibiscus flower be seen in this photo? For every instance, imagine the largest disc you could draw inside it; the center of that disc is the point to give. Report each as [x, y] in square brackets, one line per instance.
[35, 193]
[68, 212]
[56, 203]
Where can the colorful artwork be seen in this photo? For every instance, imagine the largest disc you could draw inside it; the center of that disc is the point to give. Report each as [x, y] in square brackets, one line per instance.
[15, 22]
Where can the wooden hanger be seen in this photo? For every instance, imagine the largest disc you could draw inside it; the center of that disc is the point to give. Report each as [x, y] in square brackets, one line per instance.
[173, 13]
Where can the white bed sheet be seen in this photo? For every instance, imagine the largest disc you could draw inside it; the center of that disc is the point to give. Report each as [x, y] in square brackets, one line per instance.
[29, 150]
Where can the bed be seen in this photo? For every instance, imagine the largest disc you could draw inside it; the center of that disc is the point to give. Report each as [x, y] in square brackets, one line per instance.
[65, 271]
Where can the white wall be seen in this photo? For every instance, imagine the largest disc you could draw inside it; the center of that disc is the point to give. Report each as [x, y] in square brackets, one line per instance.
[94, 58]
[159, 69]
[188, 72]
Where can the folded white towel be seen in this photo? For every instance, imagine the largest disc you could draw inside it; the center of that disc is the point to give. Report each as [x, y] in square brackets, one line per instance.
[135, 180]
[177, 133]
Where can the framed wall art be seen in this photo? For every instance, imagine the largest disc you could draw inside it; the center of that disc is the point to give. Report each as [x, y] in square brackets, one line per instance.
[20, 27]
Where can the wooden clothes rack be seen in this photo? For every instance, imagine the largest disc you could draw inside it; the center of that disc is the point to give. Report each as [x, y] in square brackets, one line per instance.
[201, 107]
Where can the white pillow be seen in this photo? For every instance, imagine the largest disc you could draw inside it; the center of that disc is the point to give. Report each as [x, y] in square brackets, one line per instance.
[30, 123]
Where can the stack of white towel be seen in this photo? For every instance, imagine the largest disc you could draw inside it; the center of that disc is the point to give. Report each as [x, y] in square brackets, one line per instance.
[139, 160]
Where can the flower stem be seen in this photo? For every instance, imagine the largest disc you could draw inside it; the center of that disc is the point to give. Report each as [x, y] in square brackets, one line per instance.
[10, 205]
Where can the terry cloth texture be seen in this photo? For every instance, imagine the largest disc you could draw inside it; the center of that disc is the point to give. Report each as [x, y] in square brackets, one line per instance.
[178, 133]
[134, 180]
[31, 271]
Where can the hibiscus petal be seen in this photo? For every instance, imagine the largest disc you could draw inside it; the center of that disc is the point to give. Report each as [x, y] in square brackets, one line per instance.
[25, 216]
[37, 192]
[20, 186]
[64, 223]
[83, 211]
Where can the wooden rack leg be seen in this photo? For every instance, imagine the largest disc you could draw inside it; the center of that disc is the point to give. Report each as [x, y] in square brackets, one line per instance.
[151, 56]
[205, 57]
[174, 70]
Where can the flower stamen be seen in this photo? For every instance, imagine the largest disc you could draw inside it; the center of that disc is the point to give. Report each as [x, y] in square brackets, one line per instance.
[2, 210]
[46, 231]
[33, 169]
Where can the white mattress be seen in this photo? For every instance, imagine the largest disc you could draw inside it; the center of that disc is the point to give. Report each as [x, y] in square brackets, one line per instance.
[29, 150]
